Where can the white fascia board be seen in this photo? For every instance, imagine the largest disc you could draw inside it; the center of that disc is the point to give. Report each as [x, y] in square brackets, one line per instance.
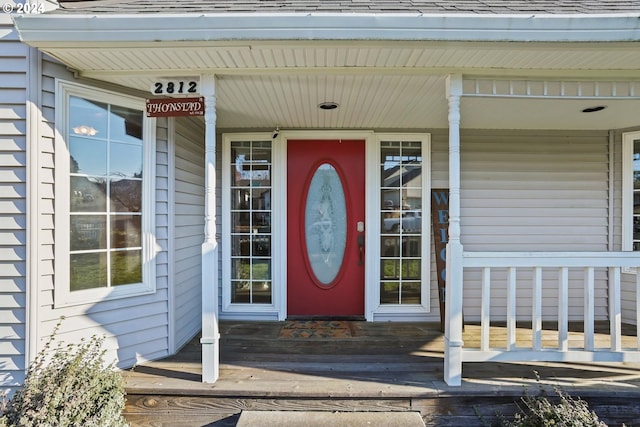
[77, 30]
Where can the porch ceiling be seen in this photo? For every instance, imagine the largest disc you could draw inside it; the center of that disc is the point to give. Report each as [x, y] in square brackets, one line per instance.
[378, 85]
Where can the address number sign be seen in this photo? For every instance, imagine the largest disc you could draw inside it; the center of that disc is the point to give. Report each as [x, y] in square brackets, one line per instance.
[175, 87]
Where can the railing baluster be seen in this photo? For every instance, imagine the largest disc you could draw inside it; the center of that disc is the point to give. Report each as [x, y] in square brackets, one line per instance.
[536, 318]
[485, 322]
[566, 265]
[615, 320]
[563, 309]
[589, 308]
[511, 309]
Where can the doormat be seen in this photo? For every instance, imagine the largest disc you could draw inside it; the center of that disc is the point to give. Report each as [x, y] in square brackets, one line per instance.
[315, 329]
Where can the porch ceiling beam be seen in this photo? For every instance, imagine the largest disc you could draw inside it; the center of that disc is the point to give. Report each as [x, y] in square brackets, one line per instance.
[551, 89]
[469, 73]
[344, 47]
[556, 97]
[36, 29]
[279, 71]
[257, 45]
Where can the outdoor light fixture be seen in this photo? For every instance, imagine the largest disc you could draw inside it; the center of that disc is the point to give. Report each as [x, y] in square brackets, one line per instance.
[594, 109]
[84, 130]
[328, 106]
[276, 132]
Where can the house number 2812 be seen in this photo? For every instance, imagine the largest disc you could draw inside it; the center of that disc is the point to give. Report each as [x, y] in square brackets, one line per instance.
[169, 87]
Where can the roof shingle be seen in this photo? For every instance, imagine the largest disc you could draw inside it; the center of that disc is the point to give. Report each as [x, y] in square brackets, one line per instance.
[553, 7]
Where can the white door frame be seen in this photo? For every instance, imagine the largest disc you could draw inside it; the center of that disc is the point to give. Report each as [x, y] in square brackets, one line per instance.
[278, 309]
[369, 140]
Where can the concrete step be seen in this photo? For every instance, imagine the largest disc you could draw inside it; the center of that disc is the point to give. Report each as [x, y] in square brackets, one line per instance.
[326, 418]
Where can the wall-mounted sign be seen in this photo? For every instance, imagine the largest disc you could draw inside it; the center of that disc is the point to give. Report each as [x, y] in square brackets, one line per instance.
[175, 107]
[175, 87]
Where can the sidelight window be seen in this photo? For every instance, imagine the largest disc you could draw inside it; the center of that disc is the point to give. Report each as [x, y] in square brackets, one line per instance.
[402, 167]
[250, 228]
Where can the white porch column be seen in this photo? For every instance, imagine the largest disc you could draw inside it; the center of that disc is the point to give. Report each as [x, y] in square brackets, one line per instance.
[210, 333]
[453, 293]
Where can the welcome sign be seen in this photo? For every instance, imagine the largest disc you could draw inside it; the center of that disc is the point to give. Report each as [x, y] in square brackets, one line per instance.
[440, 226]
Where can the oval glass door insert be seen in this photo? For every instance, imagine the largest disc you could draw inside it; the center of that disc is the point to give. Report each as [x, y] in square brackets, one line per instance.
[325, 224]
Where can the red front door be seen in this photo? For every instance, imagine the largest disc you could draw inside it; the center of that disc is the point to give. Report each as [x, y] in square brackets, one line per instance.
[325, 243]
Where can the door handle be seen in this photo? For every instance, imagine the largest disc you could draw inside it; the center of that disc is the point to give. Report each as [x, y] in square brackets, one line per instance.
[360, 229]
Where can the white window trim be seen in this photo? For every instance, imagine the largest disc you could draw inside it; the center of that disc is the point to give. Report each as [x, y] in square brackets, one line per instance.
[278, 239]
[63, 295]
[627, 191]
[373, 159]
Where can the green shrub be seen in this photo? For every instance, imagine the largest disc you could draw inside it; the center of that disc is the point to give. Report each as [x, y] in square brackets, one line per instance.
[70, 386]
[540, 411]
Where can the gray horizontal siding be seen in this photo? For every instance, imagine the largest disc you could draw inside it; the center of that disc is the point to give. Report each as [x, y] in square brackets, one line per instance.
[14, 64]
[189, 227]
[530, 191]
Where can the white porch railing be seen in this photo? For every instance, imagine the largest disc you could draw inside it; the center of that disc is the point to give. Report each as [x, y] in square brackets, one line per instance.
[562, 262]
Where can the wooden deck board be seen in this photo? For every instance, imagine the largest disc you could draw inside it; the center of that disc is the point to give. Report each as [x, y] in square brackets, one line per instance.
[383, 366]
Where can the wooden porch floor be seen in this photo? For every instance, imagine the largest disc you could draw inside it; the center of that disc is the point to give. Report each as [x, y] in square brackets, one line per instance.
[375, 367]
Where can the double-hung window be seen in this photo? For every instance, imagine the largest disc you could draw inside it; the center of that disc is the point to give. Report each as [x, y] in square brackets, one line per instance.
[631, 191]
[104, 195]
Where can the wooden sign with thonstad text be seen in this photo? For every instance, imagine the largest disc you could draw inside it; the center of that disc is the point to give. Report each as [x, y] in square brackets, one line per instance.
[175, 107]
